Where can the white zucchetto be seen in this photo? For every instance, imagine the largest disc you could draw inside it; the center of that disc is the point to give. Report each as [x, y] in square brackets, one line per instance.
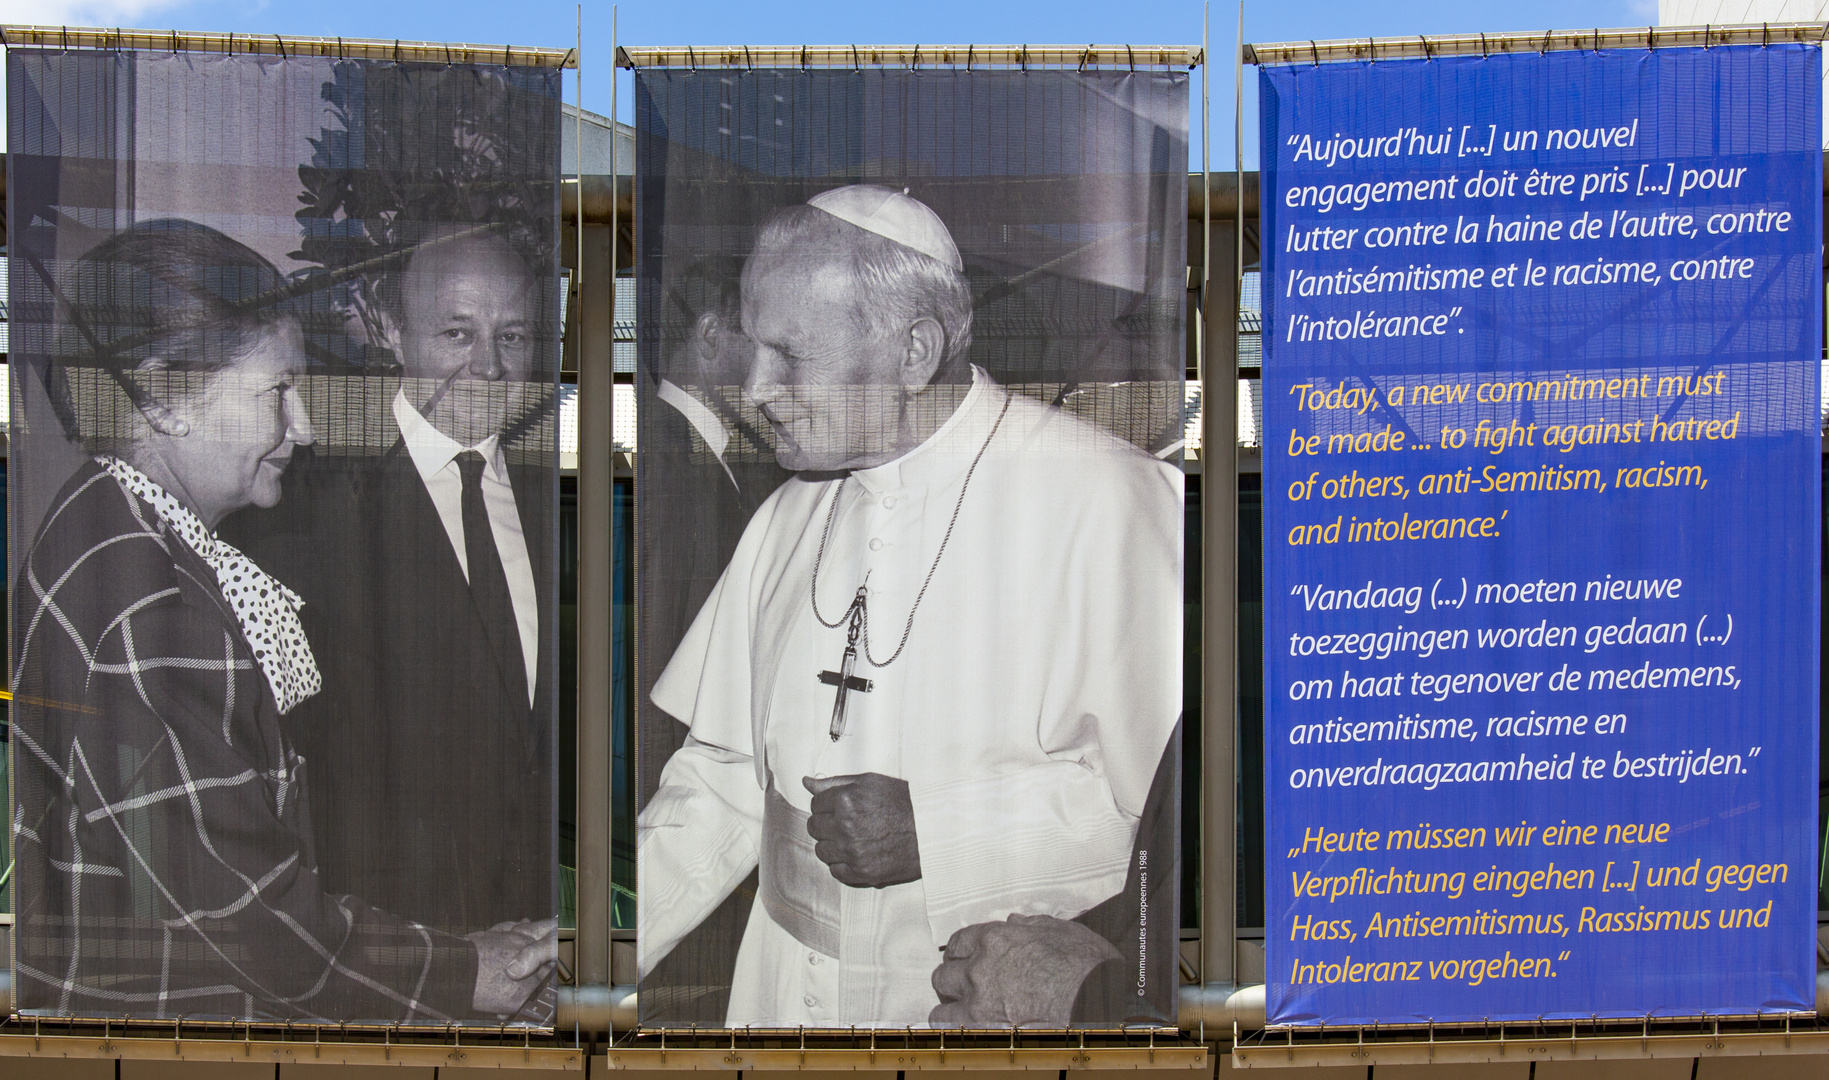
[894, 215]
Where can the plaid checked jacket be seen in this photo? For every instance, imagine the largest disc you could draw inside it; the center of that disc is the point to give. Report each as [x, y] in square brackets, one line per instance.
[161, 822]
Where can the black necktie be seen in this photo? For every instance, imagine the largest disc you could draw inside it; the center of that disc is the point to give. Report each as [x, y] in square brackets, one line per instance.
[488, 582]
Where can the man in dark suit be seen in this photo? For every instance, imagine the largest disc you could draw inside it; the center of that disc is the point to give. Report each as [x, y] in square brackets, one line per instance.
[425, 569]
[704, 467]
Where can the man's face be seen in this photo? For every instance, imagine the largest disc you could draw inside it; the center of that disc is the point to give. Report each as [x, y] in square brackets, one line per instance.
[466, 335]
[828, 391]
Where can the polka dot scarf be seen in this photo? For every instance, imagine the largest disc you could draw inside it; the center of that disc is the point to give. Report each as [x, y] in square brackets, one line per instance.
[266, 609]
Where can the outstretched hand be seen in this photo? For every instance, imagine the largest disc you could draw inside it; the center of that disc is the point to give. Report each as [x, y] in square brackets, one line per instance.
[865, 829]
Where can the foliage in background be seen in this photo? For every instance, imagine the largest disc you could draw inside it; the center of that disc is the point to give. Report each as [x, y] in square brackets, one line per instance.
[416, 150]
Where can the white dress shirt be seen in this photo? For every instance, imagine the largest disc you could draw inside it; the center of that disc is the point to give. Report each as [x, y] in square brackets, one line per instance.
[435, 456]
[707, 423]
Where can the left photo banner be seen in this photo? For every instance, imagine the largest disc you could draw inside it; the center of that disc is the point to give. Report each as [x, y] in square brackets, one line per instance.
[283, 492]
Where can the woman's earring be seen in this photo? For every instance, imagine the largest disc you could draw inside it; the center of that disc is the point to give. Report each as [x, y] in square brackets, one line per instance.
[165, 423]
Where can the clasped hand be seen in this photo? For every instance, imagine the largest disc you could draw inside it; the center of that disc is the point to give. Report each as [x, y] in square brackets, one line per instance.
[864, 829]
[1026, 970]
[513, 960]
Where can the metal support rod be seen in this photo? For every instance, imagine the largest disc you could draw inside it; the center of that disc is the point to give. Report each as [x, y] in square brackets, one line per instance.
[1423, 47]
[609, 428]
[1219, 583]
[1230, 461]
[170, 41]
[595, 275]
[1238, 164]
[599, 1009]
[578, 162]
[1206, 794]
[908, 56]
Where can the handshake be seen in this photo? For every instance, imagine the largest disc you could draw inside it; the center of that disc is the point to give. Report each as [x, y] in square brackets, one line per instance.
[1024, 972]
[513, 961]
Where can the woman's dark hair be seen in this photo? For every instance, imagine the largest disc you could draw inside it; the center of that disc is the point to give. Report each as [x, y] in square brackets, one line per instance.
[169, 296]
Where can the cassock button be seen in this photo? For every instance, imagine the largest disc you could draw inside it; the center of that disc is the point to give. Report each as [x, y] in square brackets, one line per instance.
[889, 502]
[812, 958]
[812, 1002]
[876, 544]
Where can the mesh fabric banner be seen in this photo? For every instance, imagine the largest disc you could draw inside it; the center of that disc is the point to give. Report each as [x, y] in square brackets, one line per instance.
[1542, 467]
[284, 480]
[910, 510]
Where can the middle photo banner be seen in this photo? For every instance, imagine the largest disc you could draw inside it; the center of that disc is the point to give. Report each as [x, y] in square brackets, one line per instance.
[909, 583]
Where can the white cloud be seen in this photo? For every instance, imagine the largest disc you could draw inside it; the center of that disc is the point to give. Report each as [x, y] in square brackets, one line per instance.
[124, 13]
[129, 14]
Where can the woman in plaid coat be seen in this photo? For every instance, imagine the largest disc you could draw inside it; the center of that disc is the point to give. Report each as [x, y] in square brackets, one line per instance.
[163, 845]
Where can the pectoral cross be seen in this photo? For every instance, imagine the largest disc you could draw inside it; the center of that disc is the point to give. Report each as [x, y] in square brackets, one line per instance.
[843, 677]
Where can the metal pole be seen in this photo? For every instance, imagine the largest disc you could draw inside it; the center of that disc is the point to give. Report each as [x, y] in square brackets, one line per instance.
[578, 161]
[1206, 794]
[595, 589]
[1219, 584]
[1206, 190]
[1238, 161]
[609, 376]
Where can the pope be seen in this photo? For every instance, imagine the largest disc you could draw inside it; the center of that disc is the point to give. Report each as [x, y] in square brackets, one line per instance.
[932, 687]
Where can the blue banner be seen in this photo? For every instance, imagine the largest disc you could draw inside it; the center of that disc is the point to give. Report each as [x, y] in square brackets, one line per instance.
[1542, 457]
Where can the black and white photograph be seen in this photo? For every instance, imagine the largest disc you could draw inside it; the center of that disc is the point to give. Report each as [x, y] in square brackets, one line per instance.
[284, 362]
[910, 510]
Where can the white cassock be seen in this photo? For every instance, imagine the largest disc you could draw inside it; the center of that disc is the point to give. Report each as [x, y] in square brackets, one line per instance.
[1039, 686]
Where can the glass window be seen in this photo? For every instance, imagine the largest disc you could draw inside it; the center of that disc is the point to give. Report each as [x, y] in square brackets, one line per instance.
[622, 806]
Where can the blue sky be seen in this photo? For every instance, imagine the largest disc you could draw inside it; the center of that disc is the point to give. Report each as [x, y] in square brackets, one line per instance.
[730, 22]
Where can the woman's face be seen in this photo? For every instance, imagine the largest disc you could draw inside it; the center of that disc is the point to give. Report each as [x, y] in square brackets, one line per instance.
[239, 430]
